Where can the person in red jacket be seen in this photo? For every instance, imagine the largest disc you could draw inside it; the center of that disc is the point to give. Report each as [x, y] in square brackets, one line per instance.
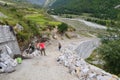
[42, 48]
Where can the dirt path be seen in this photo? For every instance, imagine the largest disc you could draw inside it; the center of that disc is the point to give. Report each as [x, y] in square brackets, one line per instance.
[42, 67]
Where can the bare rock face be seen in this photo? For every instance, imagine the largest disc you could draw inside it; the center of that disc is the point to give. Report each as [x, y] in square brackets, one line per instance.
[8, 48]
[73, 58]
[8, 38]
[19, 27]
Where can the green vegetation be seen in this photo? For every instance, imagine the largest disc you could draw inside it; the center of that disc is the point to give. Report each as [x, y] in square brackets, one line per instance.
[33, 20]
[98, 8]
[41, 19]
[110, 52]
[102, 22]
[102, 12]
[15, 16]
[62, 28]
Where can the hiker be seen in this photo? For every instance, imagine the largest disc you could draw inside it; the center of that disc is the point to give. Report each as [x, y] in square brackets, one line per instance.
[31, 48]
[59, 46]
[42, 48]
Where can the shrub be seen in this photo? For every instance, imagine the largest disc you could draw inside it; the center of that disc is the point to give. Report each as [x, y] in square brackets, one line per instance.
[110, 52]
[62, 28]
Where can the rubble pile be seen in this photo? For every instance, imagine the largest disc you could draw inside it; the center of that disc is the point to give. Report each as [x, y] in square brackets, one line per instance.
[7, 64]
[84, 71]
[31, 55]
[83, 48]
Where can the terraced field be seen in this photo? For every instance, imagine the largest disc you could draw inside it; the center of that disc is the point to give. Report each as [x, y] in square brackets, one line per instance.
[41, 19]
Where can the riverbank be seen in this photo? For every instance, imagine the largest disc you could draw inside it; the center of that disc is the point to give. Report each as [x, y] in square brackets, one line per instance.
[89, 24]
[84, 28]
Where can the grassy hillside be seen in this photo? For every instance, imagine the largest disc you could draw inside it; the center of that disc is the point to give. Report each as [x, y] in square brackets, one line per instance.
[41, 19]
[33, 20]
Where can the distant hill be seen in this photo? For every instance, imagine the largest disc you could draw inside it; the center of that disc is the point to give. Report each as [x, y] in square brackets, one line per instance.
[48, 3]
[99, 8]
[44, 3]
[39, 2]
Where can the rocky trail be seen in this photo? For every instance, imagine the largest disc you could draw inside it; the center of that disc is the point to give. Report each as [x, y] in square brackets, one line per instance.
[42, 67]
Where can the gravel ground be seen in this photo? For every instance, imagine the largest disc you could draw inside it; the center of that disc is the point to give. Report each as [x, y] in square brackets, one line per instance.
[41, 67]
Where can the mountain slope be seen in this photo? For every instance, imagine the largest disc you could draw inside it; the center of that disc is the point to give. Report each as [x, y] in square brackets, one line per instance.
[99, 8]
[48, 3]
[33, 20]
[39, 2]
[44, 3]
